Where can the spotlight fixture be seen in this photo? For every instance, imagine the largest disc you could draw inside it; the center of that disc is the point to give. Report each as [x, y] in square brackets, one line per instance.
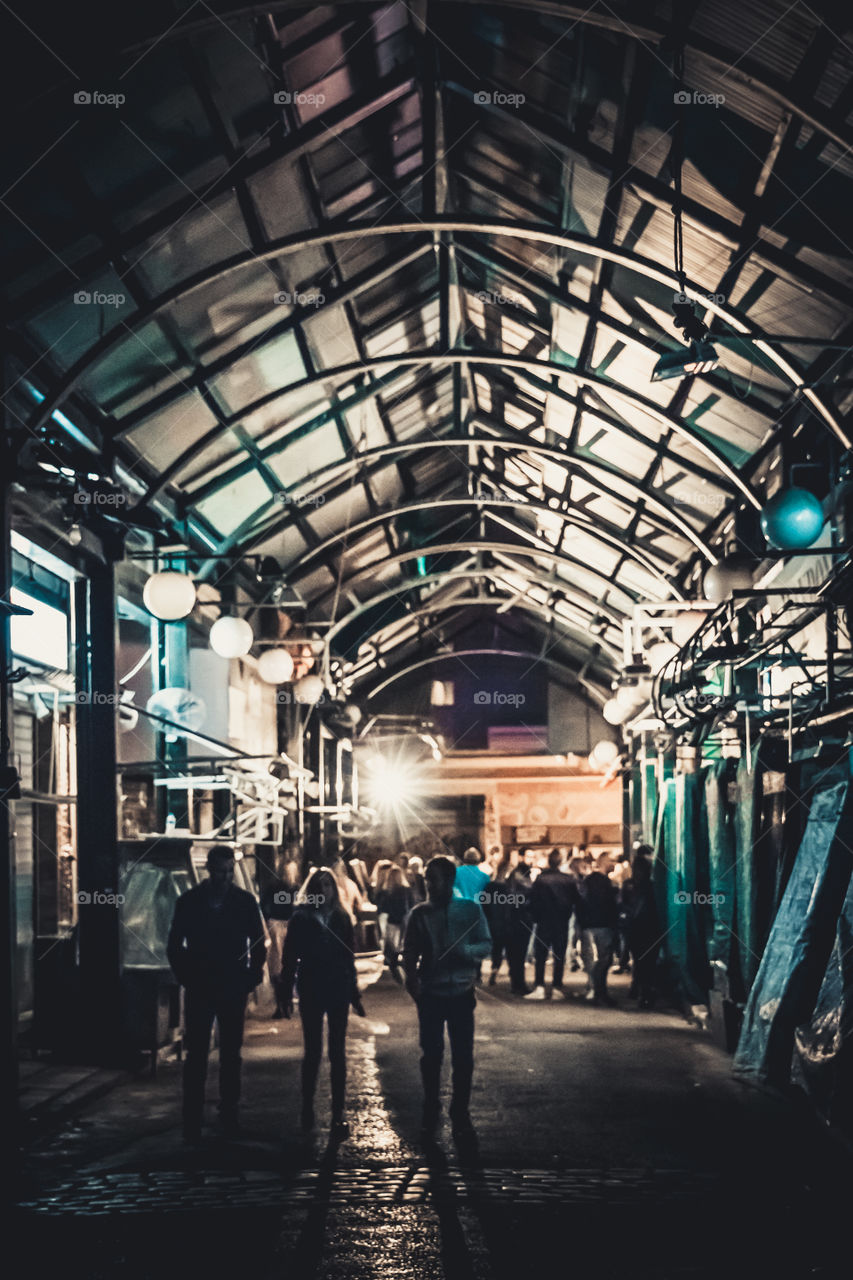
[699, 357]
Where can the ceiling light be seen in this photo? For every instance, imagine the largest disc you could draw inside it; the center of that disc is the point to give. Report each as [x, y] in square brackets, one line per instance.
[699, 357]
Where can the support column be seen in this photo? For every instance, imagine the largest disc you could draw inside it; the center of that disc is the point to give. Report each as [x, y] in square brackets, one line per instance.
[8, 789]
[97, 871]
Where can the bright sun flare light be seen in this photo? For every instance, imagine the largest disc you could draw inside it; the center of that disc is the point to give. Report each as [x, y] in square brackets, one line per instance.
[391, 784]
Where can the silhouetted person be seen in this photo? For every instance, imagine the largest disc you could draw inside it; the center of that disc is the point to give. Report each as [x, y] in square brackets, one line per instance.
[396, 901]
[217, 950]
[642, 927]
[598, 916]
[519, 887]
[553, 898]
[319, 957]
[498, 910]
[446, 939]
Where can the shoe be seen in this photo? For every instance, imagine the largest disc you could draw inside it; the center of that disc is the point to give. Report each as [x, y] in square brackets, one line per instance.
[590, 997]
[538, 993]
[463, 1127]
[340, 1130]
[520, 991]
[563, 993]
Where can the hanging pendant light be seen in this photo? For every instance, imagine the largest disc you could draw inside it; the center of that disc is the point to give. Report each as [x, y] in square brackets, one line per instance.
[231, 637]
[169, 595]
[309, 690]
[275, 666]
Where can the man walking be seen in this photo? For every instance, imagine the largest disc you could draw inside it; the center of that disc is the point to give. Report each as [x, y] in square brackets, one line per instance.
[446, 940]
[552, 901]
[217, 950]
[598, 916]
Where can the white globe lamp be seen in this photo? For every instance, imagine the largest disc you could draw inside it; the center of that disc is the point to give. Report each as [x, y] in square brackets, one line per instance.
[169, 595]
[685, 626]
[231, 637]
[275, 666]
[660, 654]
[732, 574]
[614, 712]
[603, 754]
[309, 690]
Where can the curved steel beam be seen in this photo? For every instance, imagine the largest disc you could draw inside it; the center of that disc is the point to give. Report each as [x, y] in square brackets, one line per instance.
[580, 464]
[486, 360]
[460, 575]
[472, 544]
[376, 386]
[534, 658]
[298, 567]
[530, 607]
[571, 242]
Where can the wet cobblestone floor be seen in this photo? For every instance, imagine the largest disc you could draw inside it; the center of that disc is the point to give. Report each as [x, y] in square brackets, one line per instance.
[610, 1144]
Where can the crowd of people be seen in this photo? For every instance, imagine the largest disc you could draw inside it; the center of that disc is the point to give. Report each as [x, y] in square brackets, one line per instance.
[438, 923]
[588, 912]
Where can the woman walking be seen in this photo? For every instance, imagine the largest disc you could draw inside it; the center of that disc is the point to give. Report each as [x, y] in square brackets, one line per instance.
[395, 901]
[319, 959]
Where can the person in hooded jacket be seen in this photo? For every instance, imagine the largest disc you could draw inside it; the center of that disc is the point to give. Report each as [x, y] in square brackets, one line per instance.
[598, 918]
[553, 898]
[519, 887]
[642, 926]
[319, 960]
[446, 940]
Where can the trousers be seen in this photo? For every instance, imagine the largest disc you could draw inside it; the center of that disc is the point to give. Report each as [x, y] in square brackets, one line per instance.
[201, 1006]
[312, 1013]
[457, 1012]
[597, 953]
[553, 936]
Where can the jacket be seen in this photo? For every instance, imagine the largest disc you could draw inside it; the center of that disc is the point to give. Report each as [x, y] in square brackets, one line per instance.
[553, 897]
[470, 882]
[217, 947]
[443, 946]
[319, 958]
[396, 903]
[598, 904]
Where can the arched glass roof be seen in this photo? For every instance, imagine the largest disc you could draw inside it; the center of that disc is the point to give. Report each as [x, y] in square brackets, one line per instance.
[378, 289]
